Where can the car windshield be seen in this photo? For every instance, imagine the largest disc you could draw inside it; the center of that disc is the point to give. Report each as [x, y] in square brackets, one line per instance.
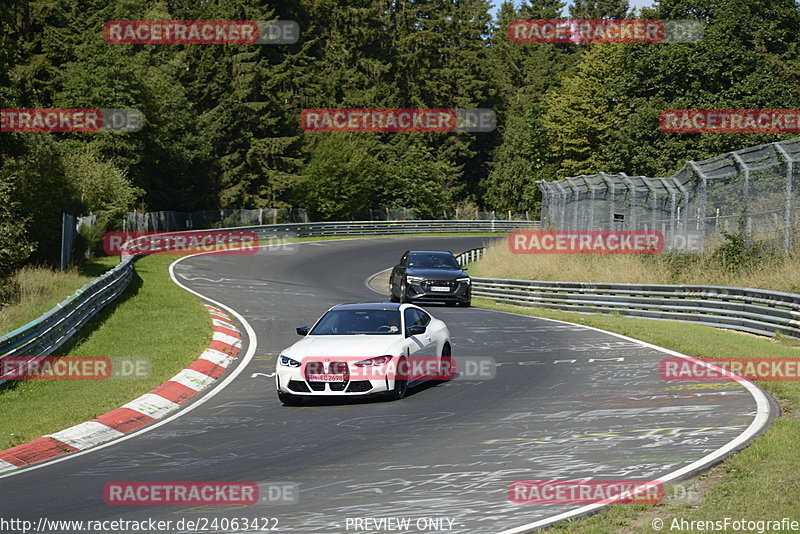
[358, 322]
[432, 261]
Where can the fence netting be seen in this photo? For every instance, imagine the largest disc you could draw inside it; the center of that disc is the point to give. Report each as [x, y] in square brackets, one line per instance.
[172, 221]
[754, 192]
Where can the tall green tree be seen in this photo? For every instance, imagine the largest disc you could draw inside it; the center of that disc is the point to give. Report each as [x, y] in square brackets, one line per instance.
[747, 59]
[599, 9]
[580, 114]
[523, 74]
[340, 180]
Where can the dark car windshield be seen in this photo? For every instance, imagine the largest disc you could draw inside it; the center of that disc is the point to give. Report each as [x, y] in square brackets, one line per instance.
[353, 322]
[432, 261]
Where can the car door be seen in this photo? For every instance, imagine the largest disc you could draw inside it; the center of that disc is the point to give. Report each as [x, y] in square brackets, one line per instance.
[398, 273]
[422, 347]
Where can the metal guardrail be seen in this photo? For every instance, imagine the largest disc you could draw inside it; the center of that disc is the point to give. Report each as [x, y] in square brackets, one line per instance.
[757, 311]
[390, 227]
[46, 334]
[49, 332]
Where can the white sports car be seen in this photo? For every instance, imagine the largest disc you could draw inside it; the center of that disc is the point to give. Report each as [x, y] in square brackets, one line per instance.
[364, 349]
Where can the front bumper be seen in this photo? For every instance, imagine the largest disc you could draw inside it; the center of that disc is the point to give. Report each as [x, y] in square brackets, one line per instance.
[291, 381]
[424, 291]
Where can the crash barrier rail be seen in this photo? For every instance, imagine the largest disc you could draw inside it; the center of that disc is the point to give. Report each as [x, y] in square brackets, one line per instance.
[757, 311]
[317, 229]
[174, 221]
[46, 334]
[49, 332]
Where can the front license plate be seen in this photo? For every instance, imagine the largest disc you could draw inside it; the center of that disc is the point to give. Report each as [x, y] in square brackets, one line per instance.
[325, 378]
[440, 288]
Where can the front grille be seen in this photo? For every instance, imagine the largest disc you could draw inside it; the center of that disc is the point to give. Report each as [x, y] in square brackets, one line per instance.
[336, 368]
[296, 385]
[359, 386]
[452, 284]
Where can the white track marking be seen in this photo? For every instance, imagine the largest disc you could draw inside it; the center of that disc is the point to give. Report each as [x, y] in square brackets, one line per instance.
[86, 435]
[193, 379]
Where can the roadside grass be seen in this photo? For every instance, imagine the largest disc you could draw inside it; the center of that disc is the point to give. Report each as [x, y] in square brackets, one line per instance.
[722, 266]
[761, 482]
[40, 289]
[153, 319]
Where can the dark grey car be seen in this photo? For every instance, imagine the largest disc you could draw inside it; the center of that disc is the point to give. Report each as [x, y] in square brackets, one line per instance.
[430, 275]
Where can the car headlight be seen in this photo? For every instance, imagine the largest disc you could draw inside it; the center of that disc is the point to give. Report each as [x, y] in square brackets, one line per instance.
[467, 280]
[379, 360]
[415, 279]
[288, 362]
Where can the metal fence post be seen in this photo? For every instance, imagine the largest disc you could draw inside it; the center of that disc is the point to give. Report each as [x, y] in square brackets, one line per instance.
[63, 240]
[787, 217]
[748, 225]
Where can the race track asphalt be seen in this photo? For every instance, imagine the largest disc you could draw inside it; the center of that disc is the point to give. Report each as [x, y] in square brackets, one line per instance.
[567, 402]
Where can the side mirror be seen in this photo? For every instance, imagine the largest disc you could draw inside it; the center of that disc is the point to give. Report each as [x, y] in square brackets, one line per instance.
[464, 268]
[302, 330]
[415, 330]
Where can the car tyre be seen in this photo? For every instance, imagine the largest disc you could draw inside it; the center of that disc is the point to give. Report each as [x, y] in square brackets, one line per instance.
[392, 298]
[466, 303]
[448, 369]
[404, 293]
[400, 382]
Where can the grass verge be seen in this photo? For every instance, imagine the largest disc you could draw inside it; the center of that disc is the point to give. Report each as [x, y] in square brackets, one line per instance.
[730, 264]
[761, 482]
[153, 318]
[40, 289]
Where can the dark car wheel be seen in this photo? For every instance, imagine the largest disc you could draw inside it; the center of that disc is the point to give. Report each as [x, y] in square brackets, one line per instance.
[392, 298]
[400, 382]
[466, 303]
[404, 293]
[448, 369]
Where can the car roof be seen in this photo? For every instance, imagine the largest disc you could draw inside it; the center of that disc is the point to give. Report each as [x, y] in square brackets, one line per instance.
[368, 306]
[430, 252]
